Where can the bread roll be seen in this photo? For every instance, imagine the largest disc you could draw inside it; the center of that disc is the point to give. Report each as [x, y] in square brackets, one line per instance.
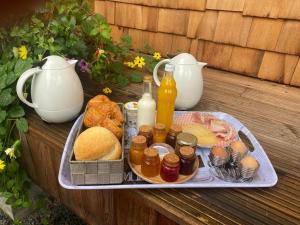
[97, 143]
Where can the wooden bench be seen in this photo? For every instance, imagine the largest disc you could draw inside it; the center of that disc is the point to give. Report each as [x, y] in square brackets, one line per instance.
[271, 111]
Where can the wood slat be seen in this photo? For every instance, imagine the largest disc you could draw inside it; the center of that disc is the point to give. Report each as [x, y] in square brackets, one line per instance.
[117, 32]
[296, 76]
[232, 28]
[264, 33]
[289, 9]
[180, 44]
[110, 11]
[288, 41]
[278, 67]
[262, 8]
[207, 26]
[227, 5]
[245, 61]
[192, 4]
[193, 24]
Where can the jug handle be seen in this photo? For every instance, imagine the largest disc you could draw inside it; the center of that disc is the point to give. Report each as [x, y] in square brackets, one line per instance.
[21, 82]
[155, 76]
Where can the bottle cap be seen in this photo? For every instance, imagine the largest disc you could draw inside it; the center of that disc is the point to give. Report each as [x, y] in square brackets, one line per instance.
[139, 141]
[187, 152]
[160, 127]
[169, 67]
[145, 129]
[171, 159]
[150, 152]
[175, 129]
[187, 139]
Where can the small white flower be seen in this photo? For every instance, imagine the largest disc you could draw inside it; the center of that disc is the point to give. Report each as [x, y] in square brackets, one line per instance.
[11, 153]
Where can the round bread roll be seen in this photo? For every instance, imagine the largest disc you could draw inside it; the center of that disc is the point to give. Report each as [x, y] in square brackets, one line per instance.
[97, 143]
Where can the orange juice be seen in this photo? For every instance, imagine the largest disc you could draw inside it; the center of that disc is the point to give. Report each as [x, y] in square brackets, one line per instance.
[166, 96]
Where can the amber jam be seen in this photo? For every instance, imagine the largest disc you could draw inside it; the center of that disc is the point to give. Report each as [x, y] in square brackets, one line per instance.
[147, 132]
[159, 133]
[187, 160]
[137, 147]
[185, 139]
[150, 163]
[172, 134]
[169, 170]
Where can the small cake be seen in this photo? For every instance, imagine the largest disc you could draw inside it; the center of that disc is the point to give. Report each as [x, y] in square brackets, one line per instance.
[218, 156]
[249, 166]
[238, 150]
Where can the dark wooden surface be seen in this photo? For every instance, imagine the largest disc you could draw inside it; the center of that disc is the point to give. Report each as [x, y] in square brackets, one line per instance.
[271, 111]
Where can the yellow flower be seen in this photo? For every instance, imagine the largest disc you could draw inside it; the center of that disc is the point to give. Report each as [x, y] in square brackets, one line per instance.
[130, 64]
[107, 90]
[11, 153]
[139, 61]
[2, 165]
[23, 52]
[156, 55]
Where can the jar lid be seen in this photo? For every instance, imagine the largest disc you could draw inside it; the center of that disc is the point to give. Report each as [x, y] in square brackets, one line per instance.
[175, 129]
[187, 152]
[139, 141]
[160, 127]
[187, 139]
[148, 78]
[171, 159]
[150, 152]
[145, 129]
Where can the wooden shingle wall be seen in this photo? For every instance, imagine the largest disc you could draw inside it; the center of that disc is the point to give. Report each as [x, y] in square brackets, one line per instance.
[259, 38]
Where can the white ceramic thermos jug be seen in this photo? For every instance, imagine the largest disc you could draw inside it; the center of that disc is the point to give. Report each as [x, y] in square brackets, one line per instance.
[188, 77]
[56, 91]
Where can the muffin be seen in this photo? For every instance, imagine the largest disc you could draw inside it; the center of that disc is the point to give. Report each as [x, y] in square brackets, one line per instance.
[238, 150]
[218, 156]
[248, 166]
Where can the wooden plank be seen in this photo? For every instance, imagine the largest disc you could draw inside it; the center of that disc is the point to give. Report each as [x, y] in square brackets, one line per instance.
[207, 26]
[232, 28]
[194, 48]
[264, 33]
[288, 41]
[227, 5]
[296, 76]
[263, 8]
[278, 67]
[150, 18]
[172, 21]
[245, 61]
[99, 7]
[192, 4]
[180, 44]
[128, 15]
[137, 38]
[117, 32]
[289, 9]
[216, 55]
[110, 11]
[193, 23]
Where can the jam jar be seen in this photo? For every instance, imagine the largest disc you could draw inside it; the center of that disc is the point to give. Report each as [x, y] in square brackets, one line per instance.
[169, 170]
[137, 147]
[187, 160]
[185, 139]
[172, 134]
[150, 163]
[147, 132]
[159, 133]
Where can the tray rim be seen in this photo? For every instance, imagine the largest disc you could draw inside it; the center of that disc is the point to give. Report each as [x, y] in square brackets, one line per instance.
[154, 186]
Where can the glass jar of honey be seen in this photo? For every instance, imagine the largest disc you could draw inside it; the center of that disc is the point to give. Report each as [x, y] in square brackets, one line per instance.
[159, 133]
[185, 139]
[137, 147]
[169, 170]
[172, 134]
[147, 132]
[150, 163]
[187, 160]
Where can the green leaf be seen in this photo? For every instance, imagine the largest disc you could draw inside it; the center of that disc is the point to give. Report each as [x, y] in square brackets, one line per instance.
[16, 111]
[16, 52]
[10, 78]
[2, 115]
[2, 81]
[10, 184]
[26, 204]
[22, 65]
[117, 67]
[122, 80]
[22, 125]
[6, 98]
[136, 78]
[6, 194]
[2, 130]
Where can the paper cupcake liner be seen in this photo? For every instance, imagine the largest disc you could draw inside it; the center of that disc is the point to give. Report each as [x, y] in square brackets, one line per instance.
[217, 161]
[236, 156]
[247, 173]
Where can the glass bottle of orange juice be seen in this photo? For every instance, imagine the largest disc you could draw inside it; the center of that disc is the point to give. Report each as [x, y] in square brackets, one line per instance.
[166, 96]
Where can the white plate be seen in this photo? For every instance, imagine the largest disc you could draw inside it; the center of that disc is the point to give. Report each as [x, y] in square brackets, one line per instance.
[265, 177]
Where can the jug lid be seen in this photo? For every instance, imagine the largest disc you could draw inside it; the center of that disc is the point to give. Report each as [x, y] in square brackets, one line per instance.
[55, 62]
[184, 58]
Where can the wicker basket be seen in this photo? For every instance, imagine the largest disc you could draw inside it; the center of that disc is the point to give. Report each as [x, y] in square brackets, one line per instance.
[97, 171]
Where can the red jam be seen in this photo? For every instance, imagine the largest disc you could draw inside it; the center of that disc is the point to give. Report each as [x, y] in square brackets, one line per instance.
[170, 167]
[147, 132]
[187, 160]
[172, 135]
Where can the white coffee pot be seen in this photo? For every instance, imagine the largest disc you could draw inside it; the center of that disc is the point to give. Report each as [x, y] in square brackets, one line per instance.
[56, 91]
[188, 77]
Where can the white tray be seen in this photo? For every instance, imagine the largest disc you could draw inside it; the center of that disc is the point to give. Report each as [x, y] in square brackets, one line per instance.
[265, 177]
